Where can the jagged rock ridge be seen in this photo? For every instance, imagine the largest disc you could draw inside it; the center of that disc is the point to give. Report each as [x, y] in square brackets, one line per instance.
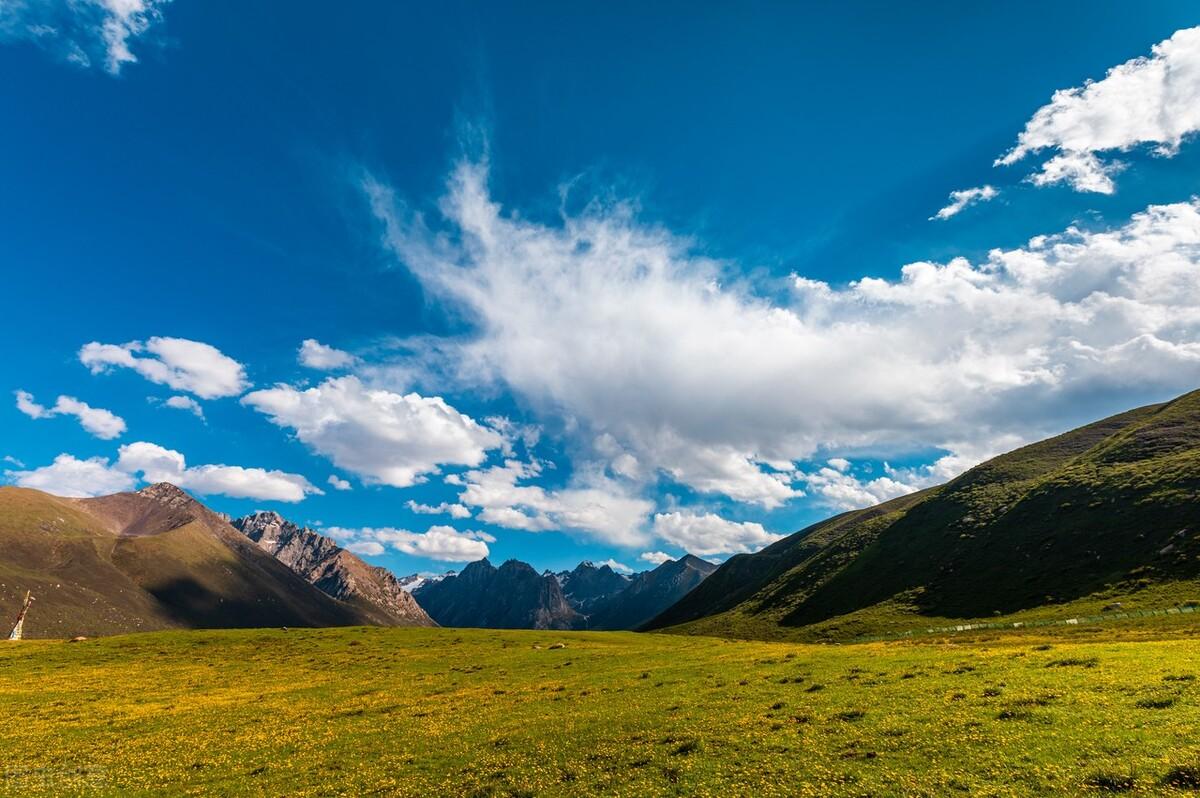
[333, 570]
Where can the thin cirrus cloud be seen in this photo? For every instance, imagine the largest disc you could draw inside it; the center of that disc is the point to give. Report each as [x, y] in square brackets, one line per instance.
[96, 476]
[671, 363]
[82, 32]
[181, 364]
[383, 437]
[964, 198]
[102, 423]
[442, 543]
[1148, 101]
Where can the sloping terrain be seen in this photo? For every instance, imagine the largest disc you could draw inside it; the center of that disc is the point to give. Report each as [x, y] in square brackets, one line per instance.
[153, 559]
[375, 591]
[1104, 514]
[650, 593]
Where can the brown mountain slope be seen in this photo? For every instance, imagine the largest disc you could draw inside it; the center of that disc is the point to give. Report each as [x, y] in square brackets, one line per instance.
[153, 559]
[334, 571]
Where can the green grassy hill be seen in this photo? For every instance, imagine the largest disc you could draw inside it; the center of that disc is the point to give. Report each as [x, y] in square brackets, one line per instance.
[421, 712]
[1106, 514]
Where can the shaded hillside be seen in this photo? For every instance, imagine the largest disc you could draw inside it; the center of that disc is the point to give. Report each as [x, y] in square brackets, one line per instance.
[513, 596]
[1107, 510]
[375, 591]
[589, 584]
[650, 593]
[154, 559]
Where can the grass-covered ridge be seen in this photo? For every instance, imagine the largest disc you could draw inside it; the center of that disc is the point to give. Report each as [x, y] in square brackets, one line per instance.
[472, 712]
[1103, 514]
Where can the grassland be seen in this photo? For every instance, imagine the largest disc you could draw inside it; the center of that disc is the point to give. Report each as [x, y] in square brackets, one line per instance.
[367, 711]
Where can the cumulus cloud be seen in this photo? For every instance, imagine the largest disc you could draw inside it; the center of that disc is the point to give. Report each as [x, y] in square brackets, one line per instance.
[338, 483]
[69, 476]
[316, 355]
[187, 403]
[594, 505]
[1148, 101]
[192, 366]
[437, 543]
[619, 567]
[82, 32]
[655, 557]
[964, 198]
[454, 510]
[383, 437]
[159, 464]
[721, 382]
[99, 422]
[705, 534]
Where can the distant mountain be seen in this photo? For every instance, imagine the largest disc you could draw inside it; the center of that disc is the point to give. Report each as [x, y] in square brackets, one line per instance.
[151, 559]
[414, 581]
[375, 591]
[588, 584]
[513, 596]
[1101, 516]
[649, 593]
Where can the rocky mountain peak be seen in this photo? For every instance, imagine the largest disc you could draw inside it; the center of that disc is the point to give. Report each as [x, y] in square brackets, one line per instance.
[168, 494]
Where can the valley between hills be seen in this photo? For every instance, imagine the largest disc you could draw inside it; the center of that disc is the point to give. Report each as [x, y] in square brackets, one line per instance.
[297, 668]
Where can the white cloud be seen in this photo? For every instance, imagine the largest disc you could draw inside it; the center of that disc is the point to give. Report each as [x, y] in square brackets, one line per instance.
[191, 366]
[453, 510]
[81, 31]
[368, 547]
[158, 464]
[718, 381]
[839, 463]
[68, 476]
[619, 567]
[964, 198]
[384, 437]
[97, 421]
[1152, 100]
[843, 490]
[338, 483]
[187, 403]
[655, 557]
[594, 504]
[437, 543]
[316, 355]
[705, 534]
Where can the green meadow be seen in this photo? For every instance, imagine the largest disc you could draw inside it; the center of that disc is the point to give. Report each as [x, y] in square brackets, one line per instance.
[372, 711]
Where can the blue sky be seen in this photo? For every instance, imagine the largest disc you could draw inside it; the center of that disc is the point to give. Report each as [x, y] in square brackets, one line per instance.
[592, 281]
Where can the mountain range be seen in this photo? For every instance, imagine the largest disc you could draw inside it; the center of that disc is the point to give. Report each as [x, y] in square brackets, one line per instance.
[145, 560]
[515, 596]
[1102, 517]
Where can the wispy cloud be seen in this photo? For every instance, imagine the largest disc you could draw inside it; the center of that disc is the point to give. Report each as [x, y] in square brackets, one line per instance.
[964, 198]
[82, 32]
